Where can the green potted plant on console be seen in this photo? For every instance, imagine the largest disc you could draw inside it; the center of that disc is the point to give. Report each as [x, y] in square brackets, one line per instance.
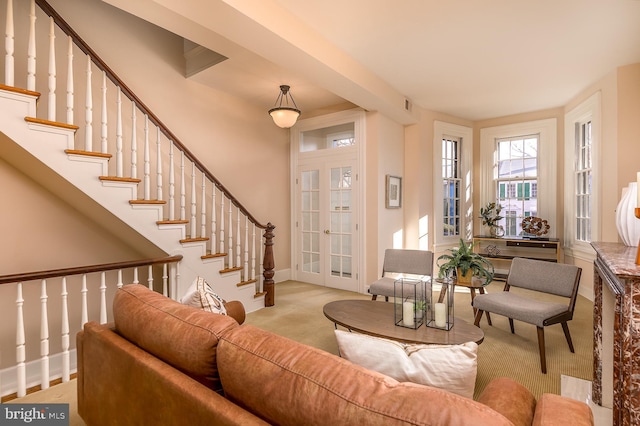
[465, 264]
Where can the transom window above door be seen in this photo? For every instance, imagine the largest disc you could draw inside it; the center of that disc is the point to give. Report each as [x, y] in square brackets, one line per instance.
[333, 137]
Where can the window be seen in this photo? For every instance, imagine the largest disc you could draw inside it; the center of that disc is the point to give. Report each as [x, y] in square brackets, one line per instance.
[451, 184]
[517, 182]
[518, 170]
[583, 188]
[452, 159]
[582, 130]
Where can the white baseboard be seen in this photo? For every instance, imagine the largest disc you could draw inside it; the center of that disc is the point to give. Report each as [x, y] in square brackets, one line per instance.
[9, 376]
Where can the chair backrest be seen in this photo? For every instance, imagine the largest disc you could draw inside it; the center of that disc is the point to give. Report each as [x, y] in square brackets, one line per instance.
[548, 277]
[414, 262]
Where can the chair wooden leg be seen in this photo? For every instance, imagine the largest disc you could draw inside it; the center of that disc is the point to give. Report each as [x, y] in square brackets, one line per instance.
[565, 328]
[386, 298]
[543, 358]
[478, 317]
[374, 297]
[513, 331]
[473, 295]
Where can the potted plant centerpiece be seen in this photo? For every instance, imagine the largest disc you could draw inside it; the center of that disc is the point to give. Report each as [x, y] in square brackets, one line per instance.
[490, 215]
[465, 264]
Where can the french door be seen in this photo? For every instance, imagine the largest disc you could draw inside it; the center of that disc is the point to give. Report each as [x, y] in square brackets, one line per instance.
[326, 224]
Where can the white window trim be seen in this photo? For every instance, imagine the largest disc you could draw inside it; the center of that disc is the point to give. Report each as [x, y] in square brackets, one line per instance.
[547, 174]
[440, 131]
[587, 110]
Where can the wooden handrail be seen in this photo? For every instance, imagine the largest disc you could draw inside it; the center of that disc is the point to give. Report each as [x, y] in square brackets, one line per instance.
[63, 272]
[46, 8]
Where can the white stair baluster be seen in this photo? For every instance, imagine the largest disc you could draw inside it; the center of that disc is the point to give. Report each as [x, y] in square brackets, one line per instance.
[253, 253]
[134, 142]
[31, 50]
[44, 337]
[238, 240]
[213, 219]
[88, 109]
[120, 283]
[150, 277]
[135, 276]
[193, 201]
[261, 268]
[175, 274]
[147, 165]
[245, 272]
[165, 280]
[21, 354]
[104, 133]
[103, 297]
[159, 163]
[70, 119]
[203, 208]
[222, 198]
[51, 112]
[83, 291]
[9, 69]
[230, 233]
[172, 184]
[119, 161]
[64, 325]
[183, 190]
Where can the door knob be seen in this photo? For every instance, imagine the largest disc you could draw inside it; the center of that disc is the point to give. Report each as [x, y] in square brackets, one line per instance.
[326, 231]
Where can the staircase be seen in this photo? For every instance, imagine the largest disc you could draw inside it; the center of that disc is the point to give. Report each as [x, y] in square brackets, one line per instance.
[190, 212]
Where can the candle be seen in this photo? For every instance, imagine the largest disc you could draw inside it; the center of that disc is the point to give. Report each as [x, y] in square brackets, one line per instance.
[407, 314]
[638, 191]
[441, 315]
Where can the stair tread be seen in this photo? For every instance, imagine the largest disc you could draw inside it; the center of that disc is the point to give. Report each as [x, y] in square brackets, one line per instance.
[87, 153]
[237, 268]
[51, 123]
[19, 90]
[172, 222]
[194, 240]
[120, 179]
[243, 283]
[213, 255]
[147, 202]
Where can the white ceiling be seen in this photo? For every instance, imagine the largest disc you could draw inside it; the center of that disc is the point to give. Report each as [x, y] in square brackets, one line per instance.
[470, 59]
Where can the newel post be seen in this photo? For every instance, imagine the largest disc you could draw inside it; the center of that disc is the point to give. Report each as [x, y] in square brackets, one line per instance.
[269, 265]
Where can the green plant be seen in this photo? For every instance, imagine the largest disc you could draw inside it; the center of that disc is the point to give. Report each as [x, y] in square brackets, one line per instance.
[490, 214]
[465, 259]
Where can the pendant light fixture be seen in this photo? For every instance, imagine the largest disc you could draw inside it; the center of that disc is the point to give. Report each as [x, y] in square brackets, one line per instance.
[284, 114]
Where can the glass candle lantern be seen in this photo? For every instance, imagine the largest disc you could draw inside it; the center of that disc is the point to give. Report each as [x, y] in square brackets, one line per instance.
[440, 295]
[410, 304]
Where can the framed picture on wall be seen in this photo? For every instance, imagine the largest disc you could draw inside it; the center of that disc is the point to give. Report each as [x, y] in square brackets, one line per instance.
[393, 192]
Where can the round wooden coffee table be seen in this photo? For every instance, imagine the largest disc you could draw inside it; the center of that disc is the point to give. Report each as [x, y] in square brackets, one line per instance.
[376, 318]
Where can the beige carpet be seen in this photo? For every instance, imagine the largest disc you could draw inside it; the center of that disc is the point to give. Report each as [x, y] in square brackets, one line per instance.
[298, 316]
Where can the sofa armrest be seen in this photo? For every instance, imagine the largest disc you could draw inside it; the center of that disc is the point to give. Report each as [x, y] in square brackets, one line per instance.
[555, 410]
[235, 309]
[511, 399]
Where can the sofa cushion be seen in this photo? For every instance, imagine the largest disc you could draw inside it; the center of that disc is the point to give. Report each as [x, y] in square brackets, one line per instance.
[180, 335]
[449, 367]
[200, 295]
[283, 381]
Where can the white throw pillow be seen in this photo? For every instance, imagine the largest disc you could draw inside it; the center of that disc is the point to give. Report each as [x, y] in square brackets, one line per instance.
[201, 295]
[449, 367]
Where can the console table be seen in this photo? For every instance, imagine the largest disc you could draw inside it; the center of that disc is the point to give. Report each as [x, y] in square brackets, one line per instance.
[501, 250]
[616, 272]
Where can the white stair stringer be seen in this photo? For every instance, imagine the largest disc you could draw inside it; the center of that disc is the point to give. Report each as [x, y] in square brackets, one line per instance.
[48, 143]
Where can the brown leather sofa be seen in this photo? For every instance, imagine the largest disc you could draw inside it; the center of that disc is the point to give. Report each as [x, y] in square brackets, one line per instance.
[164, 363]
